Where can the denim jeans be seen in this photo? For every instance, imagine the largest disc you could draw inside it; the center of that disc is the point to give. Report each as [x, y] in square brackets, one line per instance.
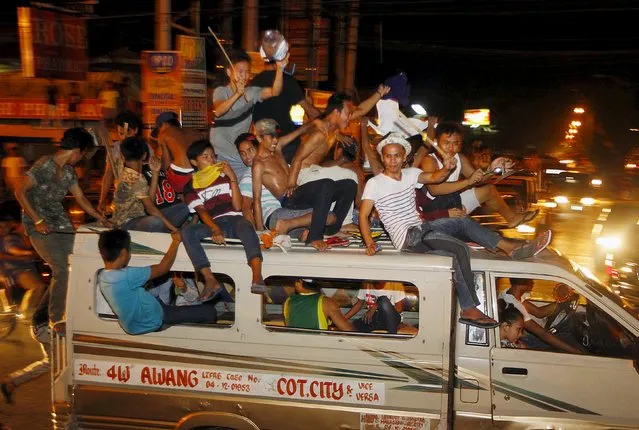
[202, 314]
[233, 227]
[426, 238]
[466, 229]
[55, 248]
[177, 214]
[385, 318]
[283, 213]
[319, 195]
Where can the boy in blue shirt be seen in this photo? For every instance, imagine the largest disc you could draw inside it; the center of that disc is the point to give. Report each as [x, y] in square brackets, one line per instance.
[122, 286]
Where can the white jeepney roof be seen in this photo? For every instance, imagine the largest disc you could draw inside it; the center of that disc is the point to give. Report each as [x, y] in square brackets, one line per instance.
[155, 244]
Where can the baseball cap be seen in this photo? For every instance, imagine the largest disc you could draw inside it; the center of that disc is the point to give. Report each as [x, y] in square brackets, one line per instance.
[267, 127]
[161, 119]
[395, 138]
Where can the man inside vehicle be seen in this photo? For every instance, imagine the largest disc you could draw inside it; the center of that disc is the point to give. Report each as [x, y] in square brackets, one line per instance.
[516, 296]
[310, 309]
[384, 305]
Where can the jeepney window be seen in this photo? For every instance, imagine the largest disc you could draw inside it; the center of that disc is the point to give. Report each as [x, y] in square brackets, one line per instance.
[180, 289]
[563, 319]
[371, 307]
[475, 335]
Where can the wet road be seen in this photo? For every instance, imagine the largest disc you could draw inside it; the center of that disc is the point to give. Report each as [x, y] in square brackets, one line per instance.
[572, 235]
[32, 401]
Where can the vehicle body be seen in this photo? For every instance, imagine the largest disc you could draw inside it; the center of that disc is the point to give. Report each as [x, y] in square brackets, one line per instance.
[572, 191]
[520, 192]
[249, 371]
[616, 236]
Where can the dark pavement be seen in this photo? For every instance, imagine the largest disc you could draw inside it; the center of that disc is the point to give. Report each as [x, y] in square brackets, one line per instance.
[32, 401]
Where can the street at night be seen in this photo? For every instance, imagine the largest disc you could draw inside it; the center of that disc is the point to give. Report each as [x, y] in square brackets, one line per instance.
[319, 214]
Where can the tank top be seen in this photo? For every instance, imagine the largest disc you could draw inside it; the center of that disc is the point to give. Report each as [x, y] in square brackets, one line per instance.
[305, 311]
[454, 175]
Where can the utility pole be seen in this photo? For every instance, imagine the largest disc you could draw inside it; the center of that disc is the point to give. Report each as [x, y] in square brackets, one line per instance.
[162, 25]
[340, 42]
[351, 51]
[313, 54]
[227, 22]
[195, 16]
[250, 25]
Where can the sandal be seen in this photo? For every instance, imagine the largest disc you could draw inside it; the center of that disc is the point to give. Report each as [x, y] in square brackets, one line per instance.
[210, 295]
[338, 241]
[528, 216]
[481, 322]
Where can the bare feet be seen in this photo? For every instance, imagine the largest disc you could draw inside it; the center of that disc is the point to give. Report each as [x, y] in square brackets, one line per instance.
[304, 235]
[320, 245]
[349, 228]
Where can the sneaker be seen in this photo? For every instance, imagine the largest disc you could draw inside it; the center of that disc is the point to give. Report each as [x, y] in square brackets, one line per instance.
[533, 247]
[542, 241]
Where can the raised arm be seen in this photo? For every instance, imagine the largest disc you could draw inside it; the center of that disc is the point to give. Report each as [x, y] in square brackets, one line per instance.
[429, 165]
[155, 164]
[368, 104]
[371, 155]
[165, 265]
[221, 107]
[310, 110]
[278, 83]
[288, 138]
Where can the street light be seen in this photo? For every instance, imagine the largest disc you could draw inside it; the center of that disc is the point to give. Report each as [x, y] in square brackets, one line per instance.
[573, 131]
[578, 110]
[576, 123]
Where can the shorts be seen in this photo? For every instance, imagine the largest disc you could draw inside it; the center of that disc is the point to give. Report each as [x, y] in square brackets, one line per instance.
[315, 173]
[469, 200]
[178, 177]
[283, 213]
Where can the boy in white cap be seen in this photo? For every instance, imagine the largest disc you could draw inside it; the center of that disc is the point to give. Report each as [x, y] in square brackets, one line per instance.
[392, 192]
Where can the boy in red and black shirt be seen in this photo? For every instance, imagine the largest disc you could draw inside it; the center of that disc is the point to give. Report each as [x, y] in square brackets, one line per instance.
[214, 194]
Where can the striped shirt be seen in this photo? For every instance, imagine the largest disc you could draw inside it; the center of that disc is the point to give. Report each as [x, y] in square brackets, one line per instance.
[269, 203]
[395, 202]
[217, 197]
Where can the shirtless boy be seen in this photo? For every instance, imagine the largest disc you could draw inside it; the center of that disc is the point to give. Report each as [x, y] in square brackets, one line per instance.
[174, 141]
[271, 171]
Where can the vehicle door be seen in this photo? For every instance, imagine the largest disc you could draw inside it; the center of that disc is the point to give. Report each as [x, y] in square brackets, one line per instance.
[598, 387]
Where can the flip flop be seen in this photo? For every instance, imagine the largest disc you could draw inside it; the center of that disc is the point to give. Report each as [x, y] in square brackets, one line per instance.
[528, 216]
[210, 296]
[338, 241]
[489, 322]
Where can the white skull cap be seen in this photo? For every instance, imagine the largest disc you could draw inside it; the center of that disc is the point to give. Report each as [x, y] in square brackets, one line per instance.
[395, 138]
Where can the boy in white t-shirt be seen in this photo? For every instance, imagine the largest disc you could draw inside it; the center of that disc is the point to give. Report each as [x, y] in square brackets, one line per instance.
[392, 192]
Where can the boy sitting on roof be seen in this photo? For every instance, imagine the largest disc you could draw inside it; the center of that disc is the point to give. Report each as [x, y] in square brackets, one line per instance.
[392, 192]
[214, 194]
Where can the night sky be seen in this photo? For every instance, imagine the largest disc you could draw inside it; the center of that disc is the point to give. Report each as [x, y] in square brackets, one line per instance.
[529, 61]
